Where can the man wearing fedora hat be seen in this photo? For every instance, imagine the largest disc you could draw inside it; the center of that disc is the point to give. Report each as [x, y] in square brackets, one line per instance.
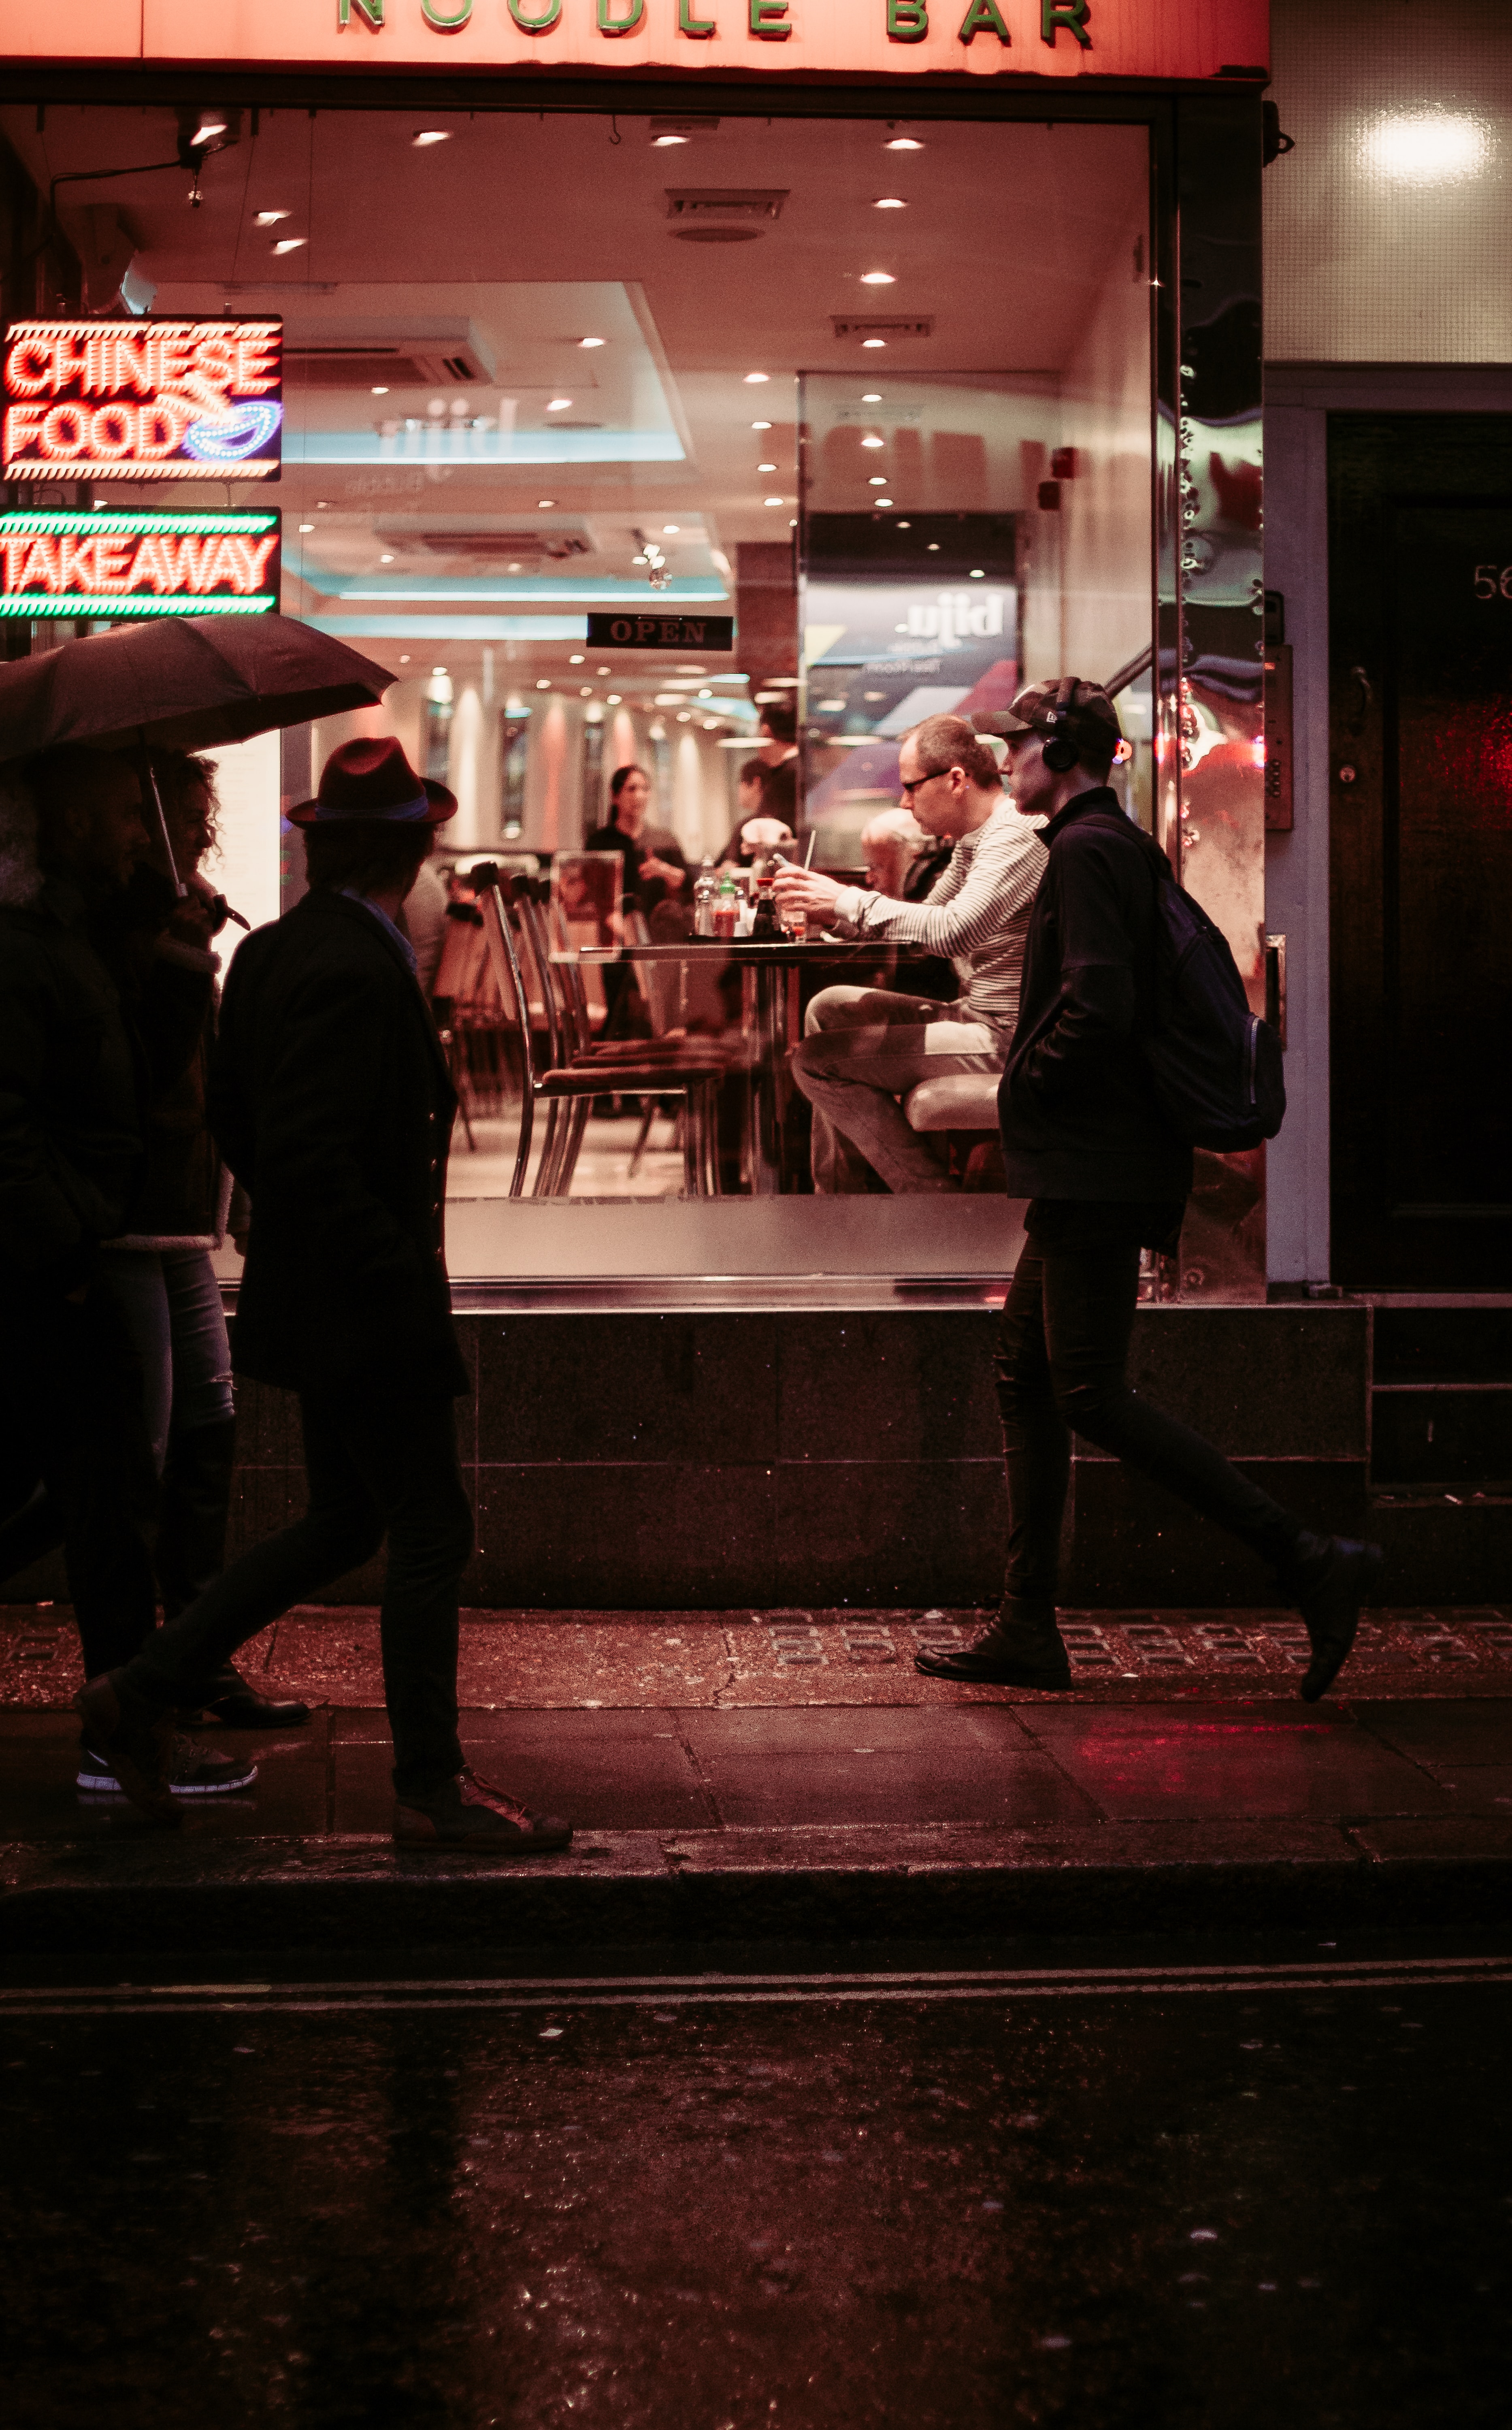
[331, 1102]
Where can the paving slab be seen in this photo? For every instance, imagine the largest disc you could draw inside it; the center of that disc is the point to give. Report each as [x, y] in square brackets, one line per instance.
[621, 1771]
[976, 1764]
[1154, 1761]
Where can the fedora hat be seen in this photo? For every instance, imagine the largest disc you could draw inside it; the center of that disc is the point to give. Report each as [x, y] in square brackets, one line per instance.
[372, 782]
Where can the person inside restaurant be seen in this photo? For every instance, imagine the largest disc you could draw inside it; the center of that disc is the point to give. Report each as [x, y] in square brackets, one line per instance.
[650, 878]
[865, 1048]
[767, 798]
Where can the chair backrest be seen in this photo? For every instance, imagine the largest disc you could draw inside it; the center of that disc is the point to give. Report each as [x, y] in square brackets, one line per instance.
[567, 1022]
[508, 976]
[663, 985]
[462, 970]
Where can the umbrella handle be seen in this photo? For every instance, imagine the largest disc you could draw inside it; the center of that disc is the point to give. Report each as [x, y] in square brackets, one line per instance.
[151, 774]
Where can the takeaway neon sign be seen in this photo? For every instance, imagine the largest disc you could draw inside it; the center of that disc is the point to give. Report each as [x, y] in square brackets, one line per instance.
[66, 561]
[143, 400]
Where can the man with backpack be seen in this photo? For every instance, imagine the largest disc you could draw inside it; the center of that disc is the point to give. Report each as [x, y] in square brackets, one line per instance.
[1130, 1012]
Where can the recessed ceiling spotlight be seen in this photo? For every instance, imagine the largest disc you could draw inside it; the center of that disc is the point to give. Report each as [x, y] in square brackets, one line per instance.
[591, 342]
[559, 405]
[268, 219]
[386, 560]
[902, 143]
[873, 440]
[660, 142]
[515, 568]
[889, 203]
[603, 671]
[756, 379]
[307, 528]
[577, 659]
[934, 548]
[585, 691]
[404, 658]
[380, 391]
[641, 561]
[766, 468]
[669, 529]
[684, 717]
[906, 526]
[438, 670]
[614, 699]
[877, 278]
[877, 481]
[543, 683]
[320, 503]
[760, 425]
[978, 574]
[545, 501]
[882, 502]
[873, 341]
[771, 501]
[287, 244]
[431, 135]
[872, 396]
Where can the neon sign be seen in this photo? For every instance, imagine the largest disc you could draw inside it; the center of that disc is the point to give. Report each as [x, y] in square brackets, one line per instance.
[68, 561]
[143, 400]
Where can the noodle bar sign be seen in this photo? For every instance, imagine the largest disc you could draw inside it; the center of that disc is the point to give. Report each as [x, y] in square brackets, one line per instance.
[68, 561]
[143, 400]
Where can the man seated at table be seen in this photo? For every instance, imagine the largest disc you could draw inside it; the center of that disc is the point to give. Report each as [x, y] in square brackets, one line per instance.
[866, 1047]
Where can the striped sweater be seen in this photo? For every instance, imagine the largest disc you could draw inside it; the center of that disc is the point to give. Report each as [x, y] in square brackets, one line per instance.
[977, 912]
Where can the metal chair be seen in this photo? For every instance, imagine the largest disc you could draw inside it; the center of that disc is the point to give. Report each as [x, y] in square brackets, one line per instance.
[571, 1086]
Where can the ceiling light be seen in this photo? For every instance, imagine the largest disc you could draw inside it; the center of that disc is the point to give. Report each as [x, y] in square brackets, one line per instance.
[320, 503]
[660, 142]
[877, 278]
[978, 575]
[877, 481]
[307, 526]
[209, 129]
[591, 342]
[641, 561]
[384, 561]
[289, 244]
[431, 135]
[603, 671]
[873, 341]
[692, 671]
[585, 691]
[705, 692]
[559, 405]
[872, 396]
[873, 440]
[268, 219]
[882, 502]
[669, 530]
[543, 683]
[903, 143]
[771, 501]
[889, 203]
[906, 526]
[545, 501]
[934, 548]
[438, 670]
[760, 425]
[684, 717]
[514, 568]
[756, 379]
[404, 658]
[380, 391]
[577, 659]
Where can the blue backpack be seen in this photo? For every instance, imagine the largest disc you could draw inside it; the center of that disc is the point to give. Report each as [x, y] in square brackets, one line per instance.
[1216, 1066]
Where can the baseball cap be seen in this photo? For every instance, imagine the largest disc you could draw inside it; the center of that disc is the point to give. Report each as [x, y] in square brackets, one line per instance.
[1079, 711]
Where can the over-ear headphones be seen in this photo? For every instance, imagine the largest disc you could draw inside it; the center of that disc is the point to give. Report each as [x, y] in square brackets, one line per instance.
[1060, 753]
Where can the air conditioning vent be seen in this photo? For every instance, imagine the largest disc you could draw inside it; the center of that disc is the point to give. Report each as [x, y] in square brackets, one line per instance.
[447, 354]
[868, 324]
[723, 214]
[502, 547]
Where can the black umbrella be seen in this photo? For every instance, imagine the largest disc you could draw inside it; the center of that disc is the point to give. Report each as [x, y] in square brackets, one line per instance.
[184, 684]
[187, 683]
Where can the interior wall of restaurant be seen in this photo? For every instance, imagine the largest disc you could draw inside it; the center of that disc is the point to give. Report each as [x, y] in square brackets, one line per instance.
[1105, 536]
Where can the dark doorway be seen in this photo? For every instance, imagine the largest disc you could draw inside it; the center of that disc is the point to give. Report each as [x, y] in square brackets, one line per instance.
[1420, 737]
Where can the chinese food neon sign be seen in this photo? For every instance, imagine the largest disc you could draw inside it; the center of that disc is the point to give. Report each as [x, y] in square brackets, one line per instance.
[143, 400]
[66, 561]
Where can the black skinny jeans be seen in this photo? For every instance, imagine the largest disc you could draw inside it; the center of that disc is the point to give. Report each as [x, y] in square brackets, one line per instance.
[1061, 1350]
[379, 1465]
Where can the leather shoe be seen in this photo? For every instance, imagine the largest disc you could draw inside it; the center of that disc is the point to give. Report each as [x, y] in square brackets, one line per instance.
[1023, 1648]
[468, 1812]
[237, 1706]
[1334, 1574]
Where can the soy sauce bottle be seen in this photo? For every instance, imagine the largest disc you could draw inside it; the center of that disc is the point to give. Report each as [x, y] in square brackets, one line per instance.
[766, 928]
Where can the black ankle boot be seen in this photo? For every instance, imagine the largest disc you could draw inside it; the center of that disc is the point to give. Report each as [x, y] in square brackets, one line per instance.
[1021, 1649]
[1328, 1577]
[236, 1705]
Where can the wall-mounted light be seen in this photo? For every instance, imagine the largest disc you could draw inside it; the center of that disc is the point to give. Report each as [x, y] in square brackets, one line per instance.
[428, 135]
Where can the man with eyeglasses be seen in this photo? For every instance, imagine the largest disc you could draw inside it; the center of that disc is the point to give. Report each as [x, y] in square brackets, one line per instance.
[865, 1048]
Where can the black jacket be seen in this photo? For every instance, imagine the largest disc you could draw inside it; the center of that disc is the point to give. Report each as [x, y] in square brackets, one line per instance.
[1078, 1114]
[331, 1103]
[70, 1138]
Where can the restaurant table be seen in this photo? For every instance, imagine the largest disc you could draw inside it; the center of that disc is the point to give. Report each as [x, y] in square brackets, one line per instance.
[768, 1016]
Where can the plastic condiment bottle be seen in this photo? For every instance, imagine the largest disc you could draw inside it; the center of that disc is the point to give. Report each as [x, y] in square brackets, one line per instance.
[726, 908]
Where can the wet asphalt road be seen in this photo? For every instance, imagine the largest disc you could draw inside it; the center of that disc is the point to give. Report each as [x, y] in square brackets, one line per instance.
[1098, 2193]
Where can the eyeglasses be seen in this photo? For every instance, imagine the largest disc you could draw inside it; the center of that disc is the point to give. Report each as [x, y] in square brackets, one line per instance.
[927, 778]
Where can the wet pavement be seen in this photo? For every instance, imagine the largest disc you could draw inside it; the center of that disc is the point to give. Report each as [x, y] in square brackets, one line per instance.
[1211, 2186]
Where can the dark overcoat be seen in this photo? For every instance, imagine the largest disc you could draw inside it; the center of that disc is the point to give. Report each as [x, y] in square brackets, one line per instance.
[330, 1100]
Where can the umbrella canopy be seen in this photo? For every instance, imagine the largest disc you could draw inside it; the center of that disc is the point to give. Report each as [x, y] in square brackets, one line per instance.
[187, 683]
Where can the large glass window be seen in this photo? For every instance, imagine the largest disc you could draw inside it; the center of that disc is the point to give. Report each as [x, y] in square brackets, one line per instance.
[867, 404]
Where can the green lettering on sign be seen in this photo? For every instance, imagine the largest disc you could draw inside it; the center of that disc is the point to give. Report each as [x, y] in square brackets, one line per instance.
[696, 27]
[769, 21]
[985, 17]
[908, 21]
[1053, 14]
[444, 24]
[609, 24]
[535, 24]
[371, 9]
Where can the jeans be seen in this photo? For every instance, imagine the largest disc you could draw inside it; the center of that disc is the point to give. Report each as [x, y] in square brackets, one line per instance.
[170, 1302]
[864, 1049]
[1061, 1350]
[378, 1464]
[71, 1416]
